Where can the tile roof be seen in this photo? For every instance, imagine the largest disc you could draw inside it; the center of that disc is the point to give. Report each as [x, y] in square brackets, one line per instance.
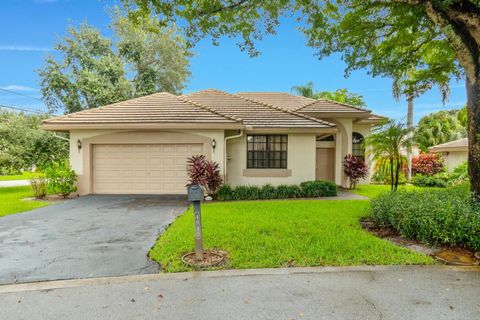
[461, 144]
[158, 108]
[302, 104]
[280, 99]
[254, 113]
[329, 106]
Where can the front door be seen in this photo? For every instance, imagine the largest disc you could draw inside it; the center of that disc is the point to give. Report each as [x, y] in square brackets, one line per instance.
[325, 164]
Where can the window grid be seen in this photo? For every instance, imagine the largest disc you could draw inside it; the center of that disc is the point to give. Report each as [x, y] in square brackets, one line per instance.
[358, 150]
[267, 151]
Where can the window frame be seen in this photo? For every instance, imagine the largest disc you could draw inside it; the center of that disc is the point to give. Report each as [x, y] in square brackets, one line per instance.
[269, 151]
[359, 146]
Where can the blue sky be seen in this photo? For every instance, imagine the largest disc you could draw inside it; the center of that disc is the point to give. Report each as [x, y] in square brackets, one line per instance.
[28, 29]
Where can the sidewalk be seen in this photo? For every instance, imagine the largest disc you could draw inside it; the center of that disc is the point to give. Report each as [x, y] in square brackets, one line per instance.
[408, 292]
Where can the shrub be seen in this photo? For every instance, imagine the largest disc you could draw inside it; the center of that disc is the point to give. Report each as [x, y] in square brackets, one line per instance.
[439, 216]
[355, 169]
[459, 174]
[427, 164]
[309, 189]
[38, 182]
[285, 191]
[318, 188]
[225, 193]
[205, 173]
[439, 180]
[61, 178]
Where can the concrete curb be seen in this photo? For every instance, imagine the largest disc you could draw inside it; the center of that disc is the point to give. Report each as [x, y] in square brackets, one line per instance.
[62, 284]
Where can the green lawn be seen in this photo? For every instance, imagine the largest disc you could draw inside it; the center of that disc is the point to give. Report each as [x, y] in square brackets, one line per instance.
[11, 200]
[271, 234]
[373, 190]
[23, 176]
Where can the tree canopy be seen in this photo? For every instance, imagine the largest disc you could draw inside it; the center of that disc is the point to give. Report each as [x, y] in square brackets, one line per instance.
[340, 95]
[95, 71]
[388, 38]
[24, 145]
[439, 127]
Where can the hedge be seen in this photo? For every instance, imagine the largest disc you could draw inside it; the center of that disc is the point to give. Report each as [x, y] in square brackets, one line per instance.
[434, 216]
[308, 189]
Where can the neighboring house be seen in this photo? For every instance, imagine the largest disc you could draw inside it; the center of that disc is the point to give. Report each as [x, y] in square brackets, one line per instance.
[453, 153]
[141, 145]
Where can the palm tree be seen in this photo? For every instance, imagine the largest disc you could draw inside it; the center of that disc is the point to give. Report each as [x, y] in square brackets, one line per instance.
[387, 142]
[339, 95]
[412, 85]
[305, 90]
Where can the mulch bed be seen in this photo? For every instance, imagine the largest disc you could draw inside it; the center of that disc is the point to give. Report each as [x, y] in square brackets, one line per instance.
[211, 258]
[448, 255]
[52, 198]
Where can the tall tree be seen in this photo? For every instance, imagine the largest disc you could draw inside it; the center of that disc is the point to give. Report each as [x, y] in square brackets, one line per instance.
[24, 145]
[339, 95]
[412, 85]
[96, 71]
[439, 127]
[389, 37]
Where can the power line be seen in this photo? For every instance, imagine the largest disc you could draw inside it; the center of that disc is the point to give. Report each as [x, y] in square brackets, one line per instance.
[21, 109]
[20, 94]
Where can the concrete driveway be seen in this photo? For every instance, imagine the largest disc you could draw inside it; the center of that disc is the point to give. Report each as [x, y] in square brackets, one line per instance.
[92, 236]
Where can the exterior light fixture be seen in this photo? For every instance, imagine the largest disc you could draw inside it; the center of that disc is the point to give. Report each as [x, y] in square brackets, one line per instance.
[214, 144]
[79, 144]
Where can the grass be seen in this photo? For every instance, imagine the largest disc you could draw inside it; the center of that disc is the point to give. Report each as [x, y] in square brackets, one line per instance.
[270, 234]
[23, 176]
[374, 190]
[11, 200]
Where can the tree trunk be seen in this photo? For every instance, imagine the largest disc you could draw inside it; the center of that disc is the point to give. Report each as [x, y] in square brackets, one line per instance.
[392, 182]
[397, 171]
[409, 136]
[460, 22]
[473, 109]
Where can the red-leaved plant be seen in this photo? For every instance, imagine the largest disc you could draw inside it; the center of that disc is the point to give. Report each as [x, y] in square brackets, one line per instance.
[427, 164]
[355, 169]
[205, 173]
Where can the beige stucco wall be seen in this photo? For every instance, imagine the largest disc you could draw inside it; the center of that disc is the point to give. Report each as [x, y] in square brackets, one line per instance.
[454, 158]
[300, 162]
[80, 159]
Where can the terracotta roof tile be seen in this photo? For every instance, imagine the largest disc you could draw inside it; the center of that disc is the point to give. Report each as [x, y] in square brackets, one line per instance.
[302, 104]
[280, 99]
[156, 108]
[254, 113]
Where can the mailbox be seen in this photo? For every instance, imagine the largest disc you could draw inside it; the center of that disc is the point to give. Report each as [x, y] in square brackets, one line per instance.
[195, 193]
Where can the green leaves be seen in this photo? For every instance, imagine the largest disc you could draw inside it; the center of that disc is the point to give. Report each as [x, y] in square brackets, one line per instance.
[24, 145]
[340, 95]
[94, 71]
[440, 127]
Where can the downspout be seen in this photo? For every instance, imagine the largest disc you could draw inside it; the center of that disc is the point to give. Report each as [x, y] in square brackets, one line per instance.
[225, 153]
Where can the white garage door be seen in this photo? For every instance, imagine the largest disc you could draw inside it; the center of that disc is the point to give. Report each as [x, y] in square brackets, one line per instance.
[141, 168]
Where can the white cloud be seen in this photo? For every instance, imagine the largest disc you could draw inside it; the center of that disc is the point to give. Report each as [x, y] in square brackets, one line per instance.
[23, 48]
[15, 87]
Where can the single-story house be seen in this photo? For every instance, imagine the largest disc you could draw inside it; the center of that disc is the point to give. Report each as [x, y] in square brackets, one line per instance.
[140, 146]
[453, 153]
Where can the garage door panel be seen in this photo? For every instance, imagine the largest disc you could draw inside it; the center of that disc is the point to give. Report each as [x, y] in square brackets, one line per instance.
[142, 169]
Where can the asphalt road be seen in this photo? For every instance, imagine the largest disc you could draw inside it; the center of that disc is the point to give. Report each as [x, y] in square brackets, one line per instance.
[306, 293]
